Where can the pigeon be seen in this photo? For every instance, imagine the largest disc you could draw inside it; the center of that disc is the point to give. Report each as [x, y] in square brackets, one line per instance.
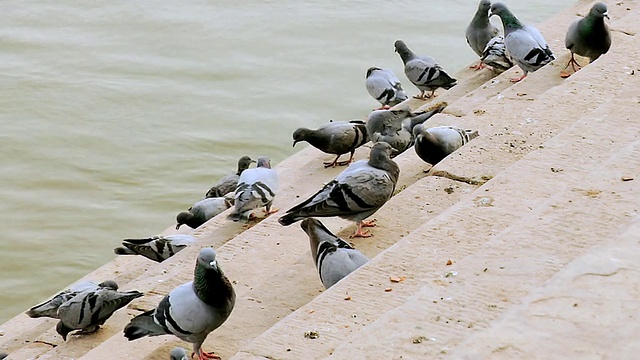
[178, 353]
[495, 55]
[157, 248]
[423, 71]
[334, 257]
[480, 31]
[91, 308]
[228, 183]
[355, 194]
[336, 137]
[434, 144]
[192, 310]
[202, 211]
[384, 86]
[524, 43]
[395, 127]
[50, 307]
[256, 188]
[589, 36]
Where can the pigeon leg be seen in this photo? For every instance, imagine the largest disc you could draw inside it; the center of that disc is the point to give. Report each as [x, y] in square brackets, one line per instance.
[573, 63]
[515, 80]
[421, 96]
[370, 223]
[334, 163]
[202, 355]
[359, 232]
[433, 94]
[478, 66]
[384, 107]
[88, 330]
[343, 163]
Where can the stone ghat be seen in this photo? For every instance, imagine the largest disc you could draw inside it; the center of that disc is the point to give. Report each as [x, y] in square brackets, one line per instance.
[522, 244]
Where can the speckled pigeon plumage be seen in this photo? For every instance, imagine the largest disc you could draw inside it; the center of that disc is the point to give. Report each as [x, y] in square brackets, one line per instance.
[480, 31]
[334, 257]
[423, 71]
[91, 308]
[192, 310]
[525, 45]
[384, 86]
[434, 144]
[157, 248]
[355, 194]
[256, 188]
[203, 211]
[50, 307]
[589, 36]
[395, 127]
[229, 182]
[495, 55]
[336, 137]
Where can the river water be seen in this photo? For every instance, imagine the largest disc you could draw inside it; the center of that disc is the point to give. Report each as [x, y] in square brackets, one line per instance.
[115, 116]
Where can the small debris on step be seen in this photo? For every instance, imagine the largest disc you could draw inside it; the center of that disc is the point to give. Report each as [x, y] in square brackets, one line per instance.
[627, 178]
[311, 334]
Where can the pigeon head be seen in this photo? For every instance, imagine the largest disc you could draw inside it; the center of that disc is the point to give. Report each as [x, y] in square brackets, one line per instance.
[207, 259]
[178, 353]
[63, 330]
[109, 284]
[403, 50]
[509, 21]
[484, 5]
[263, 161]
[301, 134]
[370, 70]
[599, 10]
[381, 151]
[183, 218]
[244, 163]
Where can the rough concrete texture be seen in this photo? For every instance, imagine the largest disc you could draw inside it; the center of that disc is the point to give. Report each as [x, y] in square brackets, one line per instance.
[522, 244]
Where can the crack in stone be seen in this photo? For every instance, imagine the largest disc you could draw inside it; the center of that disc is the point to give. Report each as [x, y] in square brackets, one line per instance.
[450, 176]
[44, 342]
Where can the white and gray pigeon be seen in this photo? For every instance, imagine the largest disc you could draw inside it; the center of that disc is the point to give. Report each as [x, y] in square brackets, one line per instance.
[384, 86]
[202, 211]
[91, 308]
[335, 137]
[157, 248]
[495, 55]
[229, 182]
[480, 31]
[192, 310]
[50, 307]
[395, 126]
[589, 36]
[525, 45]
[256, 188]
[423, 71]
[334, 257]
[178, 353]
[434, 144]
[355, 194]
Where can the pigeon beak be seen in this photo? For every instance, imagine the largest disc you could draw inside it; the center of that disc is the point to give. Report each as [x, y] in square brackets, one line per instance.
[394, 152]
[178, 226]
[252, 162]
[606, 15]
[294, 143]
[214, 265]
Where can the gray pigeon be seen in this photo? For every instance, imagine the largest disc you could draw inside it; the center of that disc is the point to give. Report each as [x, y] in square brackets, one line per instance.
[524, 43]
[423, 71]
[355, 194]
[50, 307]
[90, 309]
[157, 248]
[334, 257]
[590, 36]
[192, 310]
[480, 31]
[336, 137]
[229, 182]
[202, 211]
[434, 144]
[395, 127]
[495, 55]
[384, 86]
[178, 353]
[256, 188]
